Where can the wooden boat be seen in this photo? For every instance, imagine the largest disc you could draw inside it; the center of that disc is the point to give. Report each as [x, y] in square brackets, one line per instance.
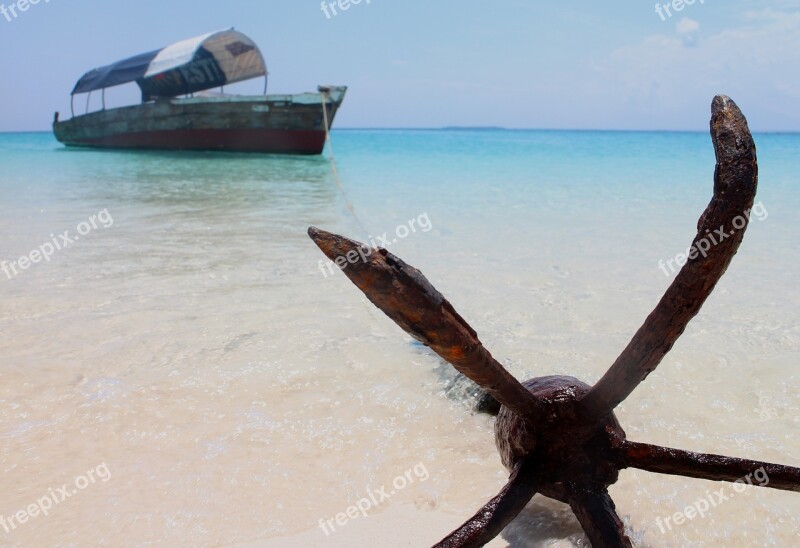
[172, 117]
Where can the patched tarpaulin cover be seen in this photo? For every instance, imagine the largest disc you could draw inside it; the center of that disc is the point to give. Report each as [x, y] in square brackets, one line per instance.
[205, 62]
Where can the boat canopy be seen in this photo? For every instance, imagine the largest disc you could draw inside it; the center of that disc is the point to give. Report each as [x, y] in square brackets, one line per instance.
[197, 64]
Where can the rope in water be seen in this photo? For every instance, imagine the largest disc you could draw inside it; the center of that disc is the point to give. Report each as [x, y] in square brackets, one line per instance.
[332, 159]
[347, 201]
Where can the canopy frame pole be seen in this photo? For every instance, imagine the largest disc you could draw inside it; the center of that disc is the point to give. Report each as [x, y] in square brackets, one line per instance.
[72, 104]
[104, 98]
[88, 98]
[266, 81]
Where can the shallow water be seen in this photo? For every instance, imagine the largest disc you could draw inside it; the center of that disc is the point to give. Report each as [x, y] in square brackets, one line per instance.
[237, 395]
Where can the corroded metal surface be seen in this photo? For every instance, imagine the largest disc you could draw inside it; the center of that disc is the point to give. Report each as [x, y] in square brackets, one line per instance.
[565, 446]
[664, 460]
[735, 183]
[490, 520]
[556, 435]
[408, 298]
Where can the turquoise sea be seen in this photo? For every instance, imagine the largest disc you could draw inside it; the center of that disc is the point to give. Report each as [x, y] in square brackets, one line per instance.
[187, 335]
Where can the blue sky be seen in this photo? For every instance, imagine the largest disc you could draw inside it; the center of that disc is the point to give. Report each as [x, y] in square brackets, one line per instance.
[585, 64]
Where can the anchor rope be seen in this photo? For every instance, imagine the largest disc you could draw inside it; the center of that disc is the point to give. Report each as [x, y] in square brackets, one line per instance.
[332, 159]
[347, 201]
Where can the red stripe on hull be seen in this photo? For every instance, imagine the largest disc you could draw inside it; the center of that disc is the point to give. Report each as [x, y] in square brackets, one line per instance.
[231, 140]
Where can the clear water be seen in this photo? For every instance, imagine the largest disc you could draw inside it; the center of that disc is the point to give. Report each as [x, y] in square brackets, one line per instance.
[237, 395]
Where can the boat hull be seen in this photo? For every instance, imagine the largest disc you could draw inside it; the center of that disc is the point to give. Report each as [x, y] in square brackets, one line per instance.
[285, 124]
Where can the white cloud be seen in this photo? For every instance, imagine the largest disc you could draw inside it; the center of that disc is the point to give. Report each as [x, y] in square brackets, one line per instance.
[687, 26]
[756, 62]
[688, 29]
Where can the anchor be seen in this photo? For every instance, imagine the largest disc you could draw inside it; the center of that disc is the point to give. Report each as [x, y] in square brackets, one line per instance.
[557, 435]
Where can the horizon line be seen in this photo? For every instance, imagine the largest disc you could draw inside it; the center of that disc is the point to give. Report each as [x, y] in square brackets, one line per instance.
[494, 128]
